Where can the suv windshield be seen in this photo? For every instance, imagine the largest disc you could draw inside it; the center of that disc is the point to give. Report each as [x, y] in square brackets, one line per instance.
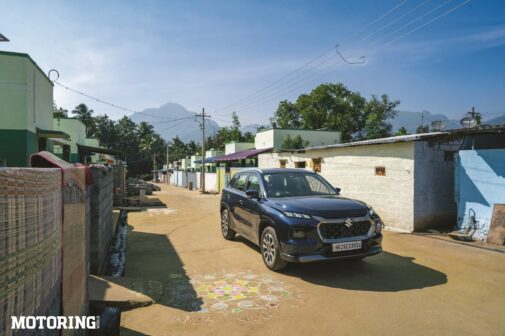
[296, 184]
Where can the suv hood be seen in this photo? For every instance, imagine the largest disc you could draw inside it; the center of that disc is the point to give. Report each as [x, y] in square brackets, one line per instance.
[327, 206]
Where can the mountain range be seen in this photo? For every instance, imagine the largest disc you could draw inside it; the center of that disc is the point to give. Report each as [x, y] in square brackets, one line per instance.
[172, 119]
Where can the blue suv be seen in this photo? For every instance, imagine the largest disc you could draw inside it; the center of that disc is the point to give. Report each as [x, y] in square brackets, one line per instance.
[295, 215]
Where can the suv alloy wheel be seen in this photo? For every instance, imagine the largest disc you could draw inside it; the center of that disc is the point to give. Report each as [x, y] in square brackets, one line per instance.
[270, 250]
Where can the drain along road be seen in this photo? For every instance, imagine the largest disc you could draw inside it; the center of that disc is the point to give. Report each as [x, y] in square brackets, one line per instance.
[204, 285]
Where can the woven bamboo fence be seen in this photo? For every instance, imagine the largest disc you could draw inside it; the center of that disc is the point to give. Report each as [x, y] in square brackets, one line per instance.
[30, 244]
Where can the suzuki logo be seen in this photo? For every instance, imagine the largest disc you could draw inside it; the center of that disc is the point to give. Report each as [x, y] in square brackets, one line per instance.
[348, 222]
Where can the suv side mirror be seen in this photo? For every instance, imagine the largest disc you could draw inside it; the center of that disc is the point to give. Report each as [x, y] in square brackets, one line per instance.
[252, 193]
[337, 190]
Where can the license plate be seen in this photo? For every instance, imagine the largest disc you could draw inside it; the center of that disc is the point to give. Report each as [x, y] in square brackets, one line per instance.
[354, 245]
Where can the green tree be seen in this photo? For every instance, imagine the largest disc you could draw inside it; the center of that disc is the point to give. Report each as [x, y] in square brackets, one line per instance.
[59, 112]
[287, 115]
[377, 112]
[402, 131]
[294, 143]
[335, 107]
[106, 131]
[85, 114]
[235, 133]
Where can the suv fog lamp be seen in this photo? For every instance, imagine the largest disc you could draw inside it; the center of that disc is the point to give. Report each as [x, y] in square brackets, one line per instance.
[298, 233]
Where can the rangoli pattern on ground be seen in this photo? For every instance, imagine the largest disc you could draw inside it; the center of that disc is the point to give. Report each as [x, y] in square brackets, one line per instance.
[230, 293]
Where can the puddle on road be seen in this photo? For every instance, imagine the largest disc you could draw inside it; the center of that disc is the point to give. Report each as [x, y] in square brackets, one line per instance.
[245, 296]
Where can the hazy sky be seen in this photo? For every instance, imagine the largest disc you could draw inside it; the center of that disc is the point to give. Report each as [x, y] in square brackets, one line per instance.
[210, 54]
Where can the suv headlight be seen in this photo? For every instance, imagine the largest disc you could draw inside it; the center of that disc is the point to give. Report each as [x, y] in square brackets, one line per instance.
[296, 215]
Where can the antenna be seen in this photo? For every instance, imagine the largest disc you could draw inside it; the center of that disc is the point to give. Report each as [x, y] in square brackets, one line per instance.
[468, 122]
[438, 125]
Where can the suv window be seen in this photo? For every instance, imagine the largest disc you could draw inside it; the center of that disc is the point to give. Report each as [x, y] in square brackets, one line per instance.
[253, 183]
[239, 182]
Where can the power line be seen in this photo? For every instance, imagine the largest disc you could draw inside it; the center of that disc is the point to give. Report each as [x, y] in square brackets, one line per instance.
[395, 20]
[413, 21]
[310, 61]
[255, 103]
[241, 106]
[94, 98]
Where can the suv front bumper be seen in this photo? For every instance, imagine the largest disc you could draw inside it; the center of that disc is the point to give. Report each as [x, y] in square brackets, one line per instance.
[304, 252]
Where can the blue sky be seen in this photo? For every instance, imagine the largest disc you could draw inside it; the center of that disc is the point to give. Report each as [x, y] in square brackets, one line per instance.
[210, 54]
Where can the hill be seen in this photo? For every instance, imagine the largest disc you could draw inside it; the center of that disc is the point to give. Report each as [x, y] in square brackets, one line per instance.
[186, 129]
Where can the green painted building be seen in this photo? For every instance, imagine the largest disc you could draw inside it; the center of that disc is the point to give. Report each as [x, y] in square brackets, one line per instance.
[26, 110]
[82, 149]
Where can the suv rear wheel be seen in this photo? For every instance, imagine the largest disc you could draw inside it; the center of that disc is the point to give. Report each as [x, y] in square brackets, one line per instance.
[270, 250]
[226, 231]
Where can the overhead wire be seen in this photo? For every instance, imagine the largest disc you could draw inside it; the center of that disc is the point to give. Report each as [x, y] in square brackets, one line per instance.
[310, 61]
[309, 78]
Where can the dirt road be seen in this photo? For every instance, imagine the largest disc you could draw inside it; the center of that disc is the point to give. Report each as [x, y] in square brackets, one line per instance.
[205, 285]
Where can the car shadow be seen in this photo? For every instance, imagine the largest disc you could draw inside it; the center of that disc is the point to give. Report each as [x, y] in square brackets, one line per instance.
[386, 272]
[156, 270]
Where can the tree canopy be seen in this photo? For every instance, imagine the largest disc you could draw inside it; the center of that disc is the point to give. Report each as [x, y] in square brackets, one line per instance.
[335, 107]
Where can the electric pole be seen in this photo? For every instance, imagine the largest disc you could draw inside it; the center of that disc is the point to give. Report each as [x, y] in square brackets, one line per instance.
[154, 167]
[202, 167]
[167, 167]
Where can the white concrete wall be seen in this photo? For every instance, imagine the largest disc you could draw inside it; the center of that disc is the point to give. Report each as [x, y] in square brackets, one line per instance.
[210, 182]
[275, 137]
[353, 170]
[234, 147]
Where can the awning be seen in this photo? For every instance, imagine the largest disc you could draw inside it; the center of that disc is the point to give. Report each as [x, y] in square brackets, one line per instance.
[241, 155]
[51, 134]
[90, 149]
[60, 141]
[211, 159]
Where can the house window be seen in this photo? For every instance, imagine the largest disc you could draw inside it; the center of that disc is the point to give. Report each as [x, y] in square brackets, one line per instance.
[380, 171]
[300, 164]
[282, 163]
[316, 165]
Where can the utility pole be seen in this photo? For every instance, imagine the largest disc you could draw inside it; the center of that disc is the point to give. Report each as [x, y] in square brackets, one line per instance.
[167, 166]
[202, 167]
[154, 167]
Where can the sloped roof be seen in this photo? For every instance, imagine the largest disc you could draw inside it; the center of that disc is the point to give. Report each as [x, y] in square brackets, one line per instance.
[241, 154]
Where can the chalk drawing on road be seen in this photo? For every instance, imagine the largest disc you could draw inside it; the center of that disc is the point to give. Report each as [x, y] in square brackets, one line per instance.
[231, 293]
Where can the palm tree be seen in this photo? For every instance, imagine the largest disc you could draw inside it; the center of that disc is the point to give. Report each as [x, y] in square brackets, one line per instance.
[86, 116]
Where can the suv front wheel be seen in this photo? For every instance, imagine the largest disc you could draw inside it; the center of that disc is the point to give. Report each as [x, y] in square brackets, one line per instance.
[270, 250]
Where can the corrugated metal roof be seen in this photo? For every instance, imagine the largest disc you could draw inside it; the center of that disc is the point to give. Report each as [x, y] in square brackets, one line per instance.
[241, 155]
[399, 138]
[481, 129]
[211, 159]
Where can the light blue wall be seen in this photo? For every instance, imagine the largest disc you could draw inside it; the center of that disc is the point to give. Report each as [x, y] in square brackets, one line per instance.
[480, 183]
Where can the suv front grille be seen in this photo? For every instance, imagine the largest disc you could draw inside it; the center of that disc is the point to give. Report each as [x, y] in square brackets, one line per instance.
[340, 230]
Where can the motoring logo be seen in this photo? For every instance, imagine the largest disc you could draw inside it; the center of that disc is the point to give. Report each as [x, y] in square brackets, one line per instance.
[55, 322]
[348, 222]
